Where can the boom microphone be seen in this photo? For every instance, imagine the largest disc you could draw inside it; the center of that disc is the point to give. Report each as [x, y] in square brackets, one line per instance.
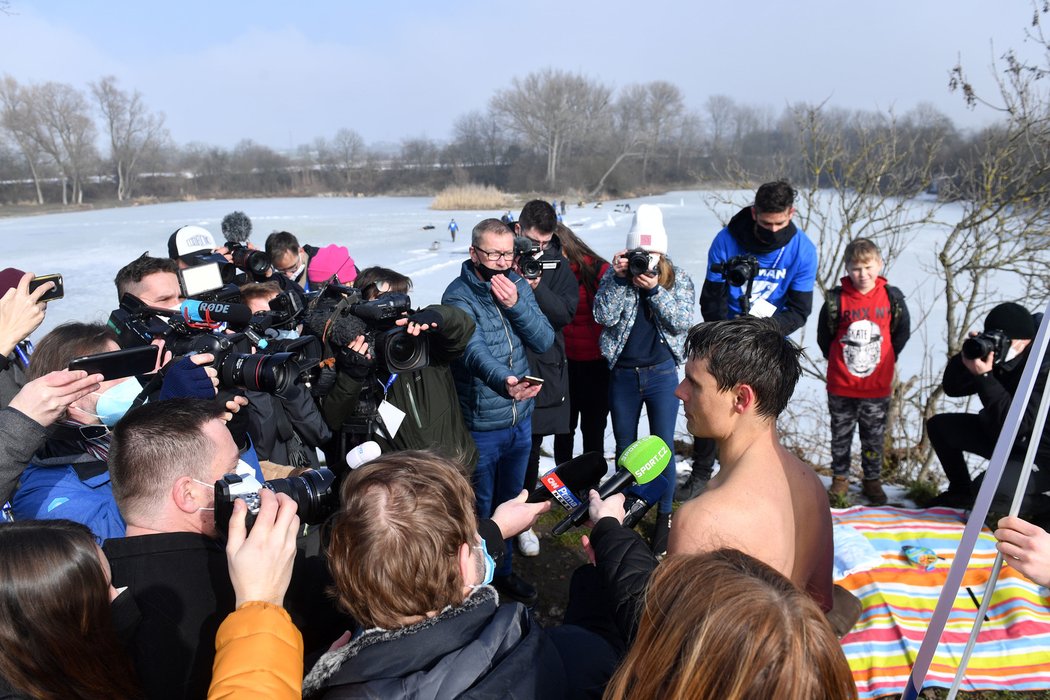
[237, 227]
[640, 463]
[571, 480]
[238, 315]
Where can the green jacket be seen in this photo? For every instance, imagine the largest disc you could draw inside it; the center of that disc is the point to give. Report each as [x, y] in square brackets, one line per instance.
[427, 396]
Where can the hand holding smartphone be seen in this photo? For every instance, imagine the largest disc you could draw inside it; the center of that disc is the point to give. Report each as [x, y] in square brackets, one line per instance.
[119, 363]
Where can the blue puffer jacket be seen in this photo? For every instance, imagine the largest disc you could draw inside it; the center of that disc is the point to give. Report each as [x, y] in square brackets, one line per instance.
[616, 306]
[496, 350]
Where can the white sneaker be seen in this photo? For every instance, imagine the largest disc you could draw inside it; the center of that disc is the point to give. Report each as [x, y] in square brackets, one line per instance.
[529, 543]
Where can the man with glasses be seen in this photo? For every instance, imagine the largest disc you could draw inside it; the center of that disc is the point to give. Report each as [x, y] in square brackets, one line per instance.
[496, 399]
[557, 294]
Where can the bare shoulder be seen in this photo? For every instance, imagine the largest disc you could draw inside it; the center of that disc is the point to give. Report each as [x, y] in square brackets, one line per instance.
[710, 521]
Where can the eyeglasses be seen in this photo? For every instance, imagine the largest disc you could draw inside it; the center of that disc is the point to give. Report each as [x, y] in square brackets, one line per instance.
[291, 268]
[494, 255]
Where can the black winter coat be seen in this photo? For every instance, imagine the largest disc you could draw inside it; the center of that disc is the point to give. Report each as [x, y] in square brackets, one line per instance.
[558, 294]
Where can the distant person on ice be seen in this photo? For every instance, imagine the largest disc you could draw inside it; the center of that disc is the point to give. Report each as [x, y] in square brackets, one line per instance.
[452, 228]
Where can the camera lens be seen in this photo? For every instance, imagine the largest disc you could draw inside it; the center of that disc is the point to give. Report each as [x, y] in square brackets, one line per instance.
[637, 263]
[253, 261]
[311, 491]
[402, 352]
[267, 373]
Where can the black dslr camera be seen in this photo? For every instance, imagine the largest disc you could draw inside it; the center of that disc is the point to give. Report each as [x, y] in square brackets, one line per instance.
[639, 262]
[312, 492]
[738, 270]
[254, 262]
[983, 343]
[527, 252]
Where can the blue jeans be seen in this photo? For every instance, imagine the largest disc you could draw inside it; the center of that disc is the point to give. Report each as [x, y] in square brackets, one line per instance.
[502, 457]
[629, 389]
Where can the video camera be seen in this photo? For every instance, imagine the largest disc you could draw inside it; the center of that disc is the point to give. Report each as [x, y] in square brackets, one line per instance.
[338, 315]
[195, 329]
[738, 270]
[527, 252]
[312, 492]
[983, 343]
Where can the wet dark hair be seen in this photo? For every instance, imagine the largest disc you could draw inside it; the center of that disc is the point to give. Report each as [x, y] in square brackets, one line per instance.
[752, 351]
[539, 215]
[140, 267]
[56, 631]
[775, 196]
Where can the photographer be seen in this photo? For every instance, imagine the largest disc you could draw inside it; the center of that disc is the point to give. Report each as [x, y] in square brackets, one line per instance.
[761, 263]
[426, 396]
[557, 295]
[286, 429]
[990, 365]
[646, 306]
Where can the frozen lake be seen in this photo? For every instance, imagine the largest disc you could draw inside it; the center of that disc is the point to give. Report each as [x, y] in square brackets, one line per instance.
[89, 247]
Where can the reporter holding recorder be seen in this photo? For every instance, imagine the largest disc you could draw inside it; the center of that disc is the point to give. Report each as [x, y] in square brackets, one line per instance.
[646, 310]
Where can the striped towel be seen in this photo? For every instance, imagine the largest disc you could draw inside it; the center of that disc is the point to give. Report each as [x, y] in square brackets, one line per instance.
[1013, 648]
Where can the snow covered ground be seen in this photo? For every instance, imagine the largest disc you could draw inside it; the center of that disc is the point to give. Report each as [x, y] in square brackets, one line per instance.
[89, 247]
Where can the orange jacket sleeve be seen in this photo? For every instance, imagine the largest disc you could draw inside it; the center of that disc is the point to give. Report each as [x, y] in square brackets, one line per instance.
[258, 654]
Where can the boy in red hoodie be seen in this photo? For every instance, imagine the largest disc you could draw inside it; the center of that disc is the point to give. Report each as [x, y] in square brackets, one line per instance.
[863, 326]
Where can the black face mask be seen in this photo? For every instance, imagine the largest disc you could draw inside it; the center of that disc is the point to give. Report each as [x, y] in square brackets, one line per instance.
[487, 273]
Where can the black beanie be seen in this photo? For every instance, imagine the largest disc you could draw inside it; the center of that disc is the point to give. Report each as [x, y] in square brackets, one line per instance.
[1012, 319]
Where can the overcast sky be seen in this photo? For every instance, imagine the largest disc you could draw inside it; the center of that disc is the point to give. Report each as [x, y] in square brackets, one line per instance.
[283, 73]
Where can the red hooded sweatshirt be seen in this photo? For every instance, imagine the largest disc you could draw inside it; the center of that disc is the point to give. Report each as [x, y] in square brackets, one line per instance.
[861, 361]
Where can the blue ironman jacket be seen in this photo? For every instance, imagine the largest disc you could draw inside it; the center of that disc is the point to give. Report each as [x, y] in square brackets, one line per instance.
[496, 350]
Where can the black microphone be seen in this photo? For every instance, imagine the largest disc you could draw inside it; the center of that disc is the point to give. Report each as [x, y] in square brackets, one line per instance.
[238, 315]
[569, 482]
[641, 462]
[236, 227]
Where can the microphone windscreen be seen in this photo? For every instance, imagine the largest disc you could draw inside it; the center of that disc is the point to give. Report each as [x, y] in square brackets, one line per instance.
[365, 452]
[217, 312]
[237, 227]
[645, 458]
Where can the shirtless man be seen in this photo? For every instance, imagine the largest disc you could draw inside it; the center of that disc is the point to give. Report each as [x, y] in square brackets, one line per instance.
[764, 501]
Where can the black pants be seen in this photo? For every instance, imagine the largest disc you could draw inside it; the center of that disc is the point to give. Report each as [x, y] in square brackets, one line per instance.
[952, 434]
[588, 408]
[704, 452]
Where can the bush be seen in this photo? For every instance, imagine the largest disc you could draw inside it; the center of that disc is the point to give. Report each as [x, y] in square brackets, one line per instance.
[457, 197]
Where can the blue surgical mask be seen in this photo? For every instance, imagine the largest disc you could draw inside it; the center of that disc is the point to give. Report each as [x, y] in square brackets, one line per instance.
[490, 567]
[115, 401]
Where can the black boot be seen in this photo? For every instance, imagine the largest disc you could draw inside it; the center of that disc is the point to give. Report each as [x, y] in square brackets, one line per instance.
[660, 533]
[695, 485]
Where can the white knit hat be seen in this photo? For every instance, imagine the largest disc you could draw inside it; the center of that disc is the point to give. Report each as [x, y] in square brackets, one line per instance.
[647, 230]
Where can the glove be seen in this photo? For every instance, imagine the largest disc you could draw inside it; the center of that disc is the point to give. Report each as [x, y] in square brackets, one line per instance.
[353, 364]
[426, 316]
[185, 380]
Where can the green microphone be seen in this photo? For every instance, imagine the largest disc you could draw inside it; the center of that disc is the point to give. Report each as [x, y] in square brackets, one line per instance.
[640, 463]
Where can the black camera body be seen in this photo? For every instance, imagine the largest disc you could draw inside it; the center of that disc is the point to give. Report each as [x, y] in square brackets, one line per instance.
[738, 270]
[527, 252]
[983, 343]
[639, 262]
[254, 262]
[312, 492]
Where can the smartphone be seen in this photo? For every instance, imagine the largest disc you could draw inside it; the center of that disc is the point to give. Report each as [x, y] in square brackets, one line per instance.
[534, 381]
[119, 363]
[56, 292]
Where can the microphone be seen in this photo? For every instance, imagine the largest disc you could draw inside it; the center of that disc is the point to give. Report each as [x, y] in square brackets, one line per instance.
[365, 452]
[568, 479]
[640, 463]
[238, 315]
[236, 227]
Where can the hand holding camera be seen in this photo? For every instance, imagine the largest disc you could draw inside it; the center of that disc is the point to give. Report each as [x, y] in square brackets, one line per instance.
[261, 562]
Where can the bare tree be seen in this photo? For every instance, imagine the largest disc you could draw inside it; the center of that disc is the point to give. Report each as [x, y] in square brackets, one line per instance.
[133, 130]
[548, 109]
[346, 149]
[477, 139]
[17, 118]
[663, 110]
[622, 133]
[64, 130]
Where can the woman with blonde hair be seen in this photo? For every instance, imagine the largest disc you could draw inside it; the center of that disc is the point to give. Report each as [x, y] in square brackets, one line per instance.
[724, 625]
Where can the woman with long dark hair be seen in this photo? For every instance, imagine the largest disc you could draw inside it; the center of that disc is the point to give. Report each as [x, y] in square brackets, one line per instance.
[588, 370]
[646, 305]
[57, 636]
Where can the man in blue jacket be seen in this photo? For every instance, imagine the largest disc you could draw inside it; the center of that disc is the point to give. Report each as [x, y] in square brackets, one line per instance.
[496, 400]
[781, 283]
